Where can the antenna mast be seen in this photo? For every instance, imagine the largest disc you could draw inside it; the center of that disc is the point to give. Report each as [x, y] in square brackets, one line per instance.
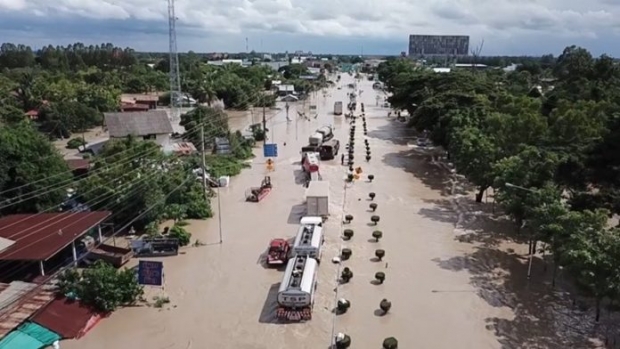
[175, 81]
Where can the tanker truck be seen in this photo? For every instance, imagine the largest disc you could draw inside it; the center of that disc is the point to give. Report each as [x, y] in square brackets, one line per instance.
[296, 293]
[309, 239]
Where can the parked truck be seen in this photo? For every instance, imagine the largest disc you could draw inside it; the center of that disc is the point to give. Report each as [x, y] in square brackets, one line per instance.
[116, 256]
[309, 239]
[338, 108]
[316, 139]
[297, 289]
[328, 150]
[317, 199]
[327, 132]
[278, 252]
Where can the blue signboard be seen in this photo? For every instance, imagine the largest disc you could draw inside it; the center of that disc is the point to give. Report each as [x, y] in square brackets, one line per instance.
[151, 273]
[270, 150]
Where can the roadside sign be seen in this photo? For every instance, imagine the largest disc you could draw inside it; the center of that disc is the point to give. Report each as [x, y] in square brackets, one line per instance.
[151, 273]
[270, 150]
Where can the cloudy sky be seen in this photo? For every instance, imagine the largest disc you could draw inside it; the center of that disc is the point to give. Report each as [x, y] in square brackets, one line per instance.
[511, 27]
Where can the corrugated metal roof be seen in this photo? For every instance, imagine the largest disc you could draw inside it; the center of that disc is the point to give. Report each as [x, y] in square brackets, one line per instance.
[20, 340]
[139, 97]
[138, 123]
[5, 243]
[14, 291]
[78, 164]
[68, 318]
[39, 333]
[41, 236]
[24, 308]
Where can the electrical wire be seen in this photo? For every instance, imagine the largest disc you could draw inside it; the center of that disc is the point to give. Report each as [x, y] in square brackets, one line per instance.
[92, 202]
[114, 234]
[62, 269]
[26, 293]
[72, 181]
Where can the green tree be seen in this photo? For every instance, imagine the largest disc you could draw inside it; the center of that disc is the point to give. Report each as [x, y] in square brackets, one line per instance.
[213, 121]
[33, 175]
[11, 115]
[594, 255]
[101, 286]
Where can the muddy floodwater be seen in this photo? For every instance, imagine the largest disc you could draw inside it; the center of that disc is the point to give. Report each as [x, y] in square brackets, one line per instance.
[453, 276]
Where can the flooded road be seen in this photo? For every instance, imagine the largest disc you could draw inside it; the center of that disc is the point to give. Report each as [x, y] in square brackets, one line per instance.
[449, 288]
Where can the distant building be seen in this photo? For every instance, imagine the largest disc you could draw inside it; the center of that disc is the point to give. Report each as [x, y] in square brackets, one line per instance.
[151, 125]
[476, 66]
[284, 90]
[438, 45]
[137, 101]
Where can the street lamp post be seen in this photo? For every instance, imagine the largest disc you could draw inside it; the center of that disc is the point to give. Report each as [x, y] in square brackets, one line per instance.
[531, 255]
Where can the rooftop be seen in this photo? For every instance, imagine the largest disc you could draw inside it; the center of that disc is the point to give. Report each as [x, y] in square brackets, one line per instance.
[68, 318]
[78, 164]
[40, 236]
[138, 123]
[137, 97]
[31, 299]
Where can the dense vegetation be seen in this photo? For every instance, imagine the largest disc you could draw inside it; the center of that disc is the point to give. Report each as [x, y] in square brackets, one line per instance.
[101, 287]
[545, 137]
[70, 87]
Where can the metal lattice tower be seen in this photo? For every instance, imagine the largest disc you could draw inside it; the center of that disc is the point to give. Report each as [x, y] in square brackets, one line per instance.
[175, 78]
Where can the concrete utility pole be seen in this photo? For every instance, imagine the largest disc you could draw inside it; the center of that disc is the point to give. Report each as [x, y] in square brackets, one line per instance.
[264, 123]
[204, 182]
[204, 162]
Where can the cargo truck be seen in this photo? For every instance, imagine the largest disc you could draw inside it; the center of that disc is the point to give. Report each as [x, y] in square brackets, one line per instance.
[338, 108]
[317, 199]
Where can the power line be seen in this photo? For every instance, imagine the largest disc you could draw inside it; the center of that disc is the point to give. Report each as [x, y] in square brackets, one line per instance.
[201, 126]
[62, 269]
[108, 208]
[73, 182]
[95, 201]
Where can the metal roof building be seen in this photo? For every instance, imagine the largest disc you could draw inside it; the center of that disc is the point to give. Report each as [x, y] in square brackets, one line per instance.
[146, 123]
[37, 237]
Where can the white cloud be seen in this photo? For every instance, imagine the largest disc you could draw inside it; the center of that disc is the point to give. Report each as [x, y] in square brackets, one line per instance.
[373, 19]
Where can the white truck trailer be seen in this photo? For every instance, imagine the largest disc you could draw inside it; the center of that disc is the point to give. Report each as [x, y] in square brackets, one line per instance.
[317, 199]
[338, 108]
[296, 293]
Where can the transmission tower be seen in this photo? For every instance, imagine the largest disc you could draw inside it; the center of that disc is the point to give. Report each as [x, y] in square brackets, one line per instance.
[175, 80]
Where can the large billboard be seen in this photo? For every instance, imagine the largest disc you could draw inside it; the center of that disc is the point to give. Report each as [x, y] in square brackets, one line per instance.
[438, 45]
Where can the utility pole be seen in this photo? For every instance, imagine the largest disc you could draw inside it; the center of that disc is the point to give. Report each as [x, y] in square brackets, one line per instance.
[219, 212]
[204, 163]
[204, 182]
[264, 123]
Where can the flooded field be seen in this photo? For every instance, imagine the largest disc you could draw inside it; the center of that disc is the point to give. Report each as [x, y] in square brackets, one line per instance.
[449, 288]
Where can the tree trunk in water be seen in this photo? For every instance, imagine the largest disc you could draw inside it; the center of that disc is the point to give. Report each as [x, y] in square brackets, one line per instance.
[598, 309]
[480, 194]
[555, 272]
[519, 222]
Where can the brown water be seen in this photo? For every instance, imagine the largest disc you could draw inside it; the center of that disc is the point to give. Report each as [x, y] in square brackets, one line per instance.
[454, 279]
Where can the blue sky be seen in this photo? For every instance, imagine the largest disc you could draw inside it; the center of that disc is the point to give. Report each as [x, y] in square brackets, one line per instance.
[324, 26]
